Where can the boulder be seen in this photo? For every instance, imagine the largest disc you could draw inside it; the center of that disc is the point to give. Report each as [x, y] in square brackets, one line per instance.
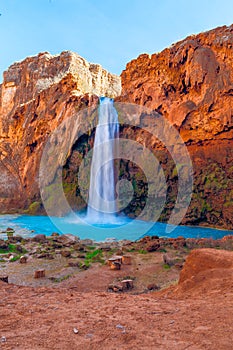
[168, 260]
[40, 238]
[3, 244]
[152, 286]
[23, 259]
[74, 263]
[66, 240]
[152, 246]
[65, 253]
[54, 234]
[206, 272]
[4, 278]
[200, 260]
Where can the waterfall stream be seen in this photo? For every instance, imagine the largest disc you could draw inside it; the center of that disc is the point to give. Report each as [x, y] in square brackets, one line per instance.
[102, 206]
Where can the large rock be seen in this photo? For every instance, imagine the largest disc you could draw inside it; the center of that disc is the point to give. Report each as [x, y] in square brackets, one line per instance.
[206, 271]
[201, 260]
[36, 95]
[191, 84]
[40, 238]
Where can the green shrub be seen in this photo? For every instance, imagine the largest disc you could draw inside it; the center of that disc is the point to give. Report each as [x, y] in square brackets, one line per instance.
[94, 256]
[33, 208]
[166, 266]
[15, 258]
[60, 279]
[142, 251]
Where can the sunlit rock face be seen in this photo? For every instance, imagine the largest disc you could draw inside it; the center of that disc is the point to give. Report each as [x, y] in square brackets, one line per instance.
[191, 84]
[36, 95]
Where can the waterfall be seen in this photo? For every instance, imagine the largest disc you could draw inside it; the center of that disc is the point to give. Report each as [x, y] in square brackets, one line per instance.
[102, 200]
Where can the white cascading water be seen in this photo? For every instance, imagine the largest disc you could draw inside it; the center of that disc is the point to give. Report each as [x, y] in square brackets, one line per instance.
[102, 200]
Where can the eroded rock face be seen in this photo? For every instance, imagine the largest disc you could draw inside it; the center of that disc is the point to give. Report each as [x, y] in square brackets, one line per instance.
[191, 84]
[36, 95]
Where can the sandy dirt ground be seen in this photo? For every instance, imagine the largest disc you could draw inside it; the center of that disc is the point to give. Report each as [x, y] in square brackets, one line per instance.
[195, 314]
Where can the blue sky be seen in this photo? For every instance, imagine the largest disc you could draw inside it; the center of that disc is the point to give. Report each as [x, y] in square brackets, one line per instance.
[107, 32]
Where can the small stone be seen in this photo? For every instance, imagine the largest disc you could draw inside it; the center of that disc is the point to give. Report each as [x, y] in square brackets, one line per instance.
[152, 286]
[3, 339]
[84, 267]
[105, 247]
[76, 246]
[45, 255]
[19, 248]
[119, 326]
[87, 242]
[55, 234]
[75, 331]
[179, 266]
[4, 279]
[23, 259]
[74, 263]
[66, 253]
[115, 288]
[110, 240]
[14, 239]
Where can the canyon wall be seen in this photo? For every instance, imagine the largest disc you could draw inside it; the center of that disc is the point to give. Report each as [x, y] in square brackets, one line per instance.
[36, 95]
[191, 84]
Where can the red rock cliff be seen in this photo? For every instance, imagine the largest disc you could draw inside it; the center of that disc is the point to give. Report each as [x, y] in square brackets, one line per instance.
[36, 95]
[191, 84]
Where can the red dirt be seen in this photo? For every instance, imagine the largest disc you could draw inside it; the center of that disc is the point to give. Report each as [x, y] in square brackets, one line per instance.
[186, 316]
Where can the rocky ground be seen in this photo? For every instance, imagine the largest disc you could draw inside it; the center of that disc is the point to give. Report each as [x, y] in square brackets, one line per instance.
[66, 259]
[81, 304]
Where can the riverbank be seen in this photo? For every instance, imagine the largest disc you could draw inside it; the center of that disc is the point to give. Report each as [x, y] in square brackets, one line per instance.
[155, 262]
